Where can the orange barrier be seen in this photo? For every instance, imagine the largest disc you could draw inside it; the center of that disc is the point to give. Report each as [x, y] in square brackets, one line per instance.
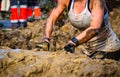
[14, 14]
[23, 13]
[37, 12]
[29, 12]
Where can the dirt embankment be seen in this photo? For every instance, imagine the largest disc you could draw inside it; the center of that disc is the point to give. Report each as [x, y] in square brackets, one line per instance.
[24, 63]
[23, 60]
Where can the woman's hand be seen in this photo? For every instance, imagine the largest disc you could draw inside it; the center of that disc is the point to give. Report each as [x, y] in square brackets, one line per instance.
[44, 45]
[69, 48]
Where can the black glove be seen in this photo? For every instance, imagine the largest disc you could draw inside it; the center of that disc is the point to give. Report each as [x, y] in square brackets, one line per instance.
[69, 48]
[98, 55]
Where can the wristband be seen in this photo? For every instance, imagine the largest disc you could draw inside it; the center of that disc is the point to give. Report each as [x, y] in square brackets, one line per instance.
[76, 41]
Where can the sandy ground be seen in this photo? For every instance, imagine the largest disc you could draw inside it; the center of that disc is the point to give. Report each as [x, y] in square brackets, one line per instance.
[32, 63]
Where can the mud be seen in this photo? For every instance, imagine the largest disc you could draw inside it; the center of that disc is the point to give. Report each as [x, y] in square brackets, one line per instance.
[19, 58]
[32, 63]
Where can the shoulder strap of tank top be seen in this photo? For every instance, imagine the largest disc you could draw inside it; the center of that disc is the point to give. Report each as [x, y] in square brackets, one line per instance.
[69, 5]
[88, 3]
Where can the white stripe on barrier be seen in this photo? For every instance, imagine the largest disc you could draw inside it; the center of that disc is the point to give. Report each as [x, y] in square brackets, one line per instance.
[23, 6]
[22, 20]
[13, 21]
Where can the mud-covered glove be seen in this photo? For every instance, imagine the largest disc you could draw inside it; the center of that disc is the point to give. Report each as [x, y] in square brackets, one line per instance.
[69, 48]
[44, 45]
[98, 55]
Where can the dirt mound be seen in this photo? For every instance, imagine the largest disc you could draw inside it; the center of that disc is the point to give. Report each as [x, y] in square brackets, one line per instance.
[24, 63]
[23, 60]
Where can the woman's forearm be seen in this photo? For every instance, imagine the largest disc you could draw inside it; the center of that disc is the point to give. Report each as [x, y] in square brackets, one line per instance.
[48, 28]
[56, 12]
[87, 34]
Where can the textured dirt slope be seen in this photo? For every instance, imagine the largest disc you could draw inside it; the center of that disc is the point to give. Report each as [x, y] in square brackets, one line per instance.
[24, 63]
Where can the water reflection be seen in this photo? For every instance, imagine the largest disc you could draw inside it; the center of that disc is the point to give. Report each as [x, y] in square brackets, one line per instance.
[4, 52]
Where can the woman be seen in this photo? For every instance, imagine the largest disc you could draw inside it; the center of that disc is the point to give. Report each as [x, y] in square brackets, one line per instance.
[91, 18]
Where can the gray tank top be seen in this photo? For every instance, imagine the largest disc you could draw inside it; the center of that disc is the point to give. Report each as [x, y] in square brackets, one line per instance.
[105, 40]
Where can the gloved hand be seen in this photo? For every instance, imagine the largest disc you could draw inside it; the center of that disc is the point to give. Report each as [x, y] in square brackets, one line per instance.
[43, 46]
[69, 48]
